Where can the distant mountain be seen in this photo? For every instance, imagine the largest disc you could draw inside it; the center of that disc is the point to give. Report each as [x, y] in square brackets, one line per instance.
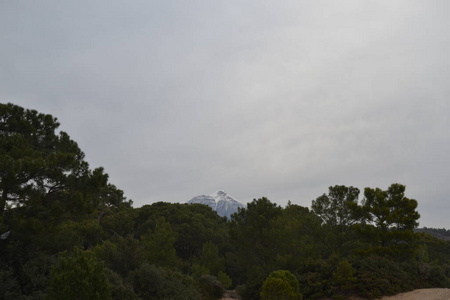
[442, 234]
[220, 201]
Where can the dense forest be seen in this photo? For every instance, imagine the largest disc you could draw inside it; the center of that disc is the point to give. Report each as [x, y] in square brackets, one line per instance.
[440, 233]
[67, 233]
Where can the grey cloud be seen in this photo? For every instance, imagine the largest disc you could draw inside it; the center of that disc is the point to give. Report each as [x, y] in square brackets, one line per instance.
[260, 99]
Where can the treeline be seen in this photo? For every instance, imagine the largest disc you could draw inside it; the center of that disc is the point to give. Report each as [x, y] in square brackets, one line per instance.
[440, 233]
[67, 233]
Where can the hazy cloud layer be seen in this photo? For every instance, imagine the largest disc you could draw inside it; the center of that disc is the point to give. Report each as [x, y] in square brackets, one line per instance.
[260, 98]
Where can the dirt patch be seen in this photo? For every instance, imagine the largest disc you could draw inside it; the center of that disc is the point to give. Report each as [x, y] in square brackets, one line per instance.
[230, 295]
[422, 294]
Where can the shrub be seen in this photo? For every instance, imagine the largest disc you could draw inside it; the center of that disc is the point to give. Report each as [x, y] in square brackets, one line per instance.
[210, 287]
[225, 279]
[344, 279]
[378, 276]
[151, 282]
[78, 275]
[316, 277]
[281, 285]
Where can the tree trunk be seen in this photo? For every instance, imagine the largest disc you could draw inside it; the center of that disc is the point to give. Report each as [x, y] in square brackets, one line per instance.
[3, 201]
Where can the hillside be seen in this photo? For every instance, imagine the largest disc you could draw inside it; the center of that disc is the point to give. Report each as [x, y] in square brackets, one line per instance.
[442, 234]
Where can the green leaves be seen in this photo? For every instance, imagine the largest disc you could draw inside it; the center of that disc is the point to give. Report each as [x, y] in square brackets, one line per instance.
[154, 283]
[78, 275]
[211, 259]
[390, 208]
[339, 207]
[281, 285]
[35, 160]
[51, 202]
[252, 235]
[158, 245]
[393, 215]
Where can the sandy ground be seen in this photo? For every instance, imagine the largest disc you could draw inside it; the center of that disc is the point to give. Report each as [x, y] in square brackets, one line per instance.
[230, 295]
[423, 294]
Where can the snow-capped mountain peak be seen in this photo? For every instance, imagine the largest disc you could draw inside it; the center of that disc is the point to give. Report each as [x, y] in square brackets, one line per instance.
[220, 201]
[222, 195]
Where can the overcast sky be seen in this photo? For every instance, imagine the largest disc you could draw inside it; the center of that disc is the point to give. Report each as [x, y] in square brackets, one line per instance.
[260, 98]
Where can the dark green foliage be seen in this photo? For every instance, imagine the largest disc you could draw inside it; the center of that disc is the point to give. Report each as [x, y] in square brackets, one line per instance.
[440, 233]
[316, 277]
[379, 276]
[338, 208]
[119, 221]
[9, 286]
[252, 287]
[224, 279]
[27, 272]
[50, 200]
[436, 250]
[339, 211]
[344, 280]
[78, 275]
[43, 172]
[393, 214]
[120, 289]
[210, 287]
[151, 282]
[252, 235]
[194, 225]
[433, 261]
[36, 162]
[86, 233]
[439, 276]
[67, 233]
[211, 259]
[157, 246]
[120, 254]
[281, 285]
[298, 235]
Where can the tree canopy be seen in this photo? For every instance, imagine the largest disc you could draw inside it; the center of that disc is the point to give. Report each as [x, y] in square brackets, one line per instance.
[67, 232]
[37, 163]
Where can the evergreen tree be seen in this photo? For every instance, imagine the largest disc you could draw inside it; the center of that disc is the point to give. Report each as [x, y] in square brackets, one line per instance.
[339, 207]
[78, 275]
[393, 215]
[158, 245]
[36, 162]
[211, 259]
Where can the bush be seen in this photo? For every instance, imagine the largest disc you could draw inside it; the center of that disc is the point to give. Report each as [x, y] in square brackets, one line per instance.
[316, 277]
[120, 290]
[344, 279]
[279, 285]
[78, 275]
[210, 287]
[151, 282]
[379, 276]
[225, 279]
